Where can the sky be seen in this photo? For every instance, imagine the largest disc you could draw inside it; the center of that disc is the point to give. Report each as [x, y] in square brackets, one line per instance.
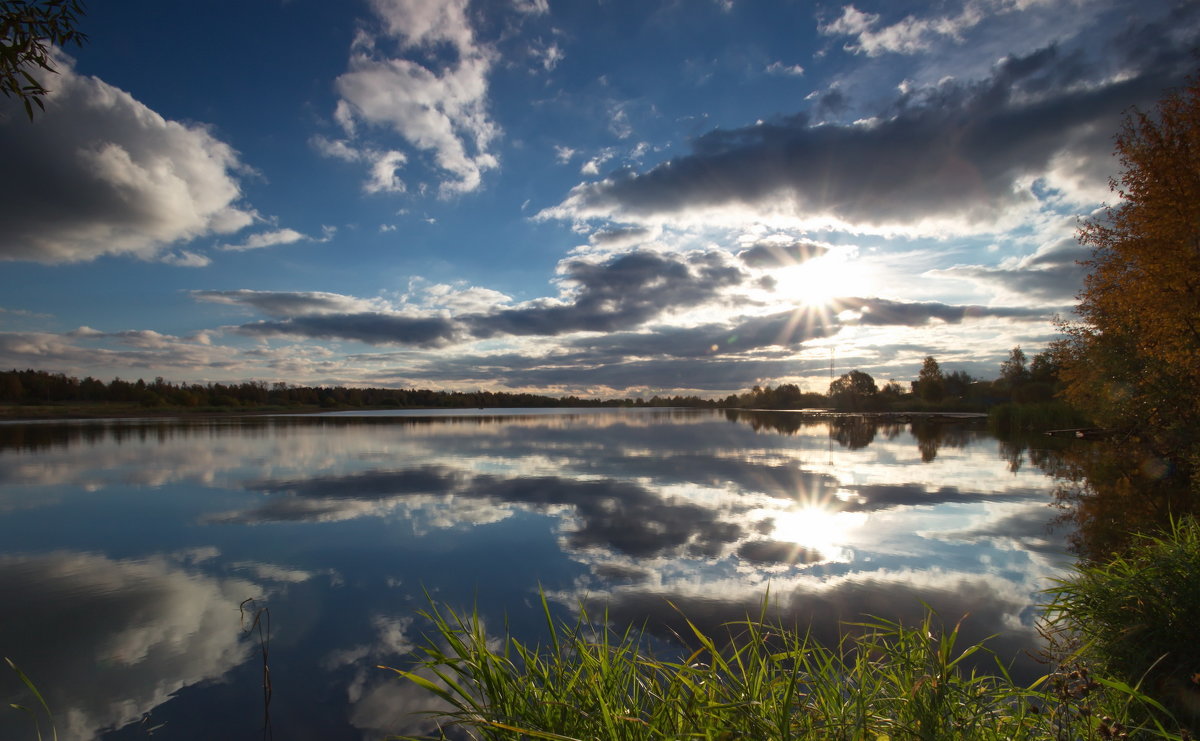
[595, 197]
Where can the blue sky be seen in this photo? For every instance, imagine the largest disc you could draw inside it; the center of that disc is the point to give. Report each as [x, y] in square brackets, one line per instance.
[601, 198]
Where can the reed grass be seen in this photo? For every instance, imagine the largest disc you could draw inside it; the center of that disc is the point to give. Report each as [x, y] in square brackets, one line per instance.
[1011, 417]
[1136, 615]
[32, 713]
[883, 681]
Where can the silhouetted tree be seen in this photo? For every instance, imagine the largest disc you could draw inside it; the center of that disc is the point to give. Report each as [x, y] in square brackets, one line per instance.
[930, 384]
[853, 391]
[958, 384]
[891, 391]
[29, 29]
[1013, 372]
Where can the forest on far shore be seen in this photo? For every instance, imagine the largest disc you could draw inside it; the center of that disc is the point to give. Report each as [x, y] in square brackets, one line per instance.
[1018, 380]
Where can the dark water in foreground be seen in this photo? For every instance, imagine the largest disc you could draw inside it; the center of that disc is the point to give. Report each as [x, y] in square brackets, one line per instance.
[126, 547]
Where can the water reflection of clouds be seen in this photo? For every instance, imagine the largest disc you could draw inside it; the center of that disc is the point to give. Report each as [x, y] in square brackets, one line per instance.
[991, 607]
[643, 508]
[622, 516]
[110, 639]
[701, 488]
[702, 450]
[1027, 531]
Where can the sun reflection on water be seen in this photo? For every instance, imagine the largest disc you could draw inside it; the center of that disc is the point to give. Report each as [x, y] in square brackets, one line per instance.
[818, 529]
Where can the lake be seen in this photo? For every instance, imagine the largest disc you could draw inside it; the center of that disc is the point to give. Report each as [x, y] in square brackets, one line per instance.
[127, 548]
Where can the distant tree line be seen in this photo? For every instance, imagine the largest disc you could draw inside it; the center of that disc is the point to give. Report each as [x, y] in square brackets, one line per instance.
[1018, 381]
[1021, 380]
[42, 387]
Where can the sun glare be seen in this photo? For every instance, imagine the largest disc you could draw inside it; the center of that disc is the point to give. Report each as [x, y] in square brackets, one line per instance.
[818, 281]
[817, 529]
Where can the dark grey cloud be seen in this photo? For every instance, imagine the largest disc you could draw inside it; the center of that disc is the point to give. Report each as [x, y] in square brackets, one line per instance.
[958, 150]
[369, 484]
[776, 551]
[619, 235]
[884, 312]
[287, 303]
[715, 375]
[875, 497]
[736, 356]
[783, 330]
[373, 328]
[786, 329]
[1058, 284]
[1054, 274]
[623, 516]
[608, 513]
[99, 173]
[620, 516]
[623, 292]
[609, 295]
[771, 255]
[620, 292]
[1036, 529]
[831, 103]
[779, 481]
[620, 573]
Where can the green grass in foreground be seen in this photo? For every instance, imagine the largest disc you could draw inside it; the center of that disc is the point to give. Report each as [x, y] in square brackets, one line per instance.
[1138, 614]
[884, 681]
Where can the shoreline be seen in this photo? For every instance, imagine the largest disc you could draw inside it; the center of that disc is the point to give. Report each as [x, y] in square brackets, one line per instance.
[11, 413]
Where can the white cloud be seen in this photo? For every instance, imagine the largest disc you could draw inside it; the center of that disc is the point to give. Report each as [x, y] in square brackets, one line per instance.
[954, 158]
[593, 165]
[563, 155]
[384, 163]
[102, 174]
[532, 7]
[267, 239]
[618, 122]
[549, 56]
[910, 34]
[340, 149]
[779, 68]
[187, 259]
[25, 313]
[461, 298]
[75, 353]
[440, 110]
[383, 173]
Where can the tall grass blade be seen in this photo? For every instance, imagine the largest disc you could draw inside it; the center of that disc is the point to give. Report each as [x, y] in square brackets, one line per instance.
[33, 688]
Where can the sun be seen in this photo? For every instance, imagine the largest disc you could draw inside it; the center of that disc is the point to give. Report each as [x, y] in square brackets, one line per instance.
[817, 282]
[817, 529]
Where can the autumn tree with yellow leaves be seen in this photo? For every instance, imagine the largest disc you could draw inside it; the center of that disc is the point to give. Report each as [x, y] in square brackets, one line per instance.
[1133, 361]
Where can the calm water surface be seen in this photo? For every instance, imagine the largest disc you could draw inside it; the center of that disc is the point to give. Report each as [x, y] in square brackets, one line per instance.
[126, 547]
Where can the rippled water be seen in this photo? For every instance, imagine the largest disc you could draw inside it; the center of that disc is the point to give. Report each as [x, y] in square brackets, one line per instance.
[126, 547]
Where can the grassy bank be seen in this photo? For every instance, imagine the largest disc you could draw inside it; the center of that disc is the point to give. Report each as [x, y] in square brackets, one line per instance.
[1136, 616]
[883, 680]
[1011, 417]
